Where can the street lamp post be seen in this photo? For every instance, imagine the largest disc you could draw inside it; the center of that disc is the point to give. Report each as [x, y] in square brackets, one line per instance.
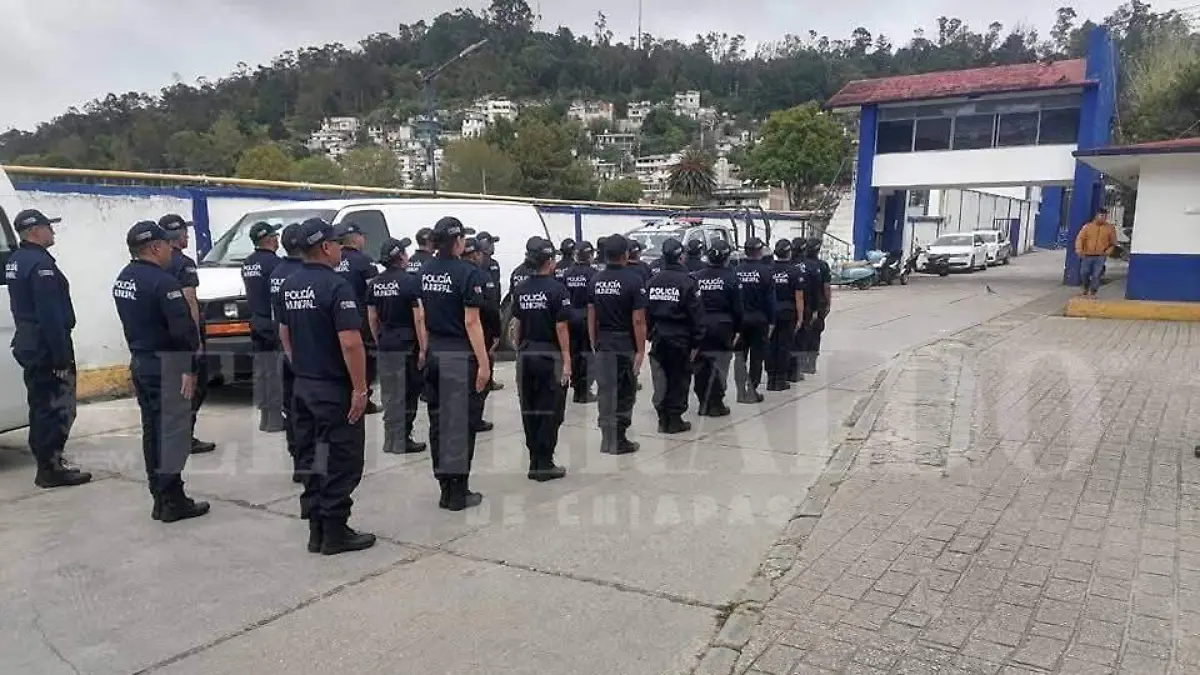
[427, 91]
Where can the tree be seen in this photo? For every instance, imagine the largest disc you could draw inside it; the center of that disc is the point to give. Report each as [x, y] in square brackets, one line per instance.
[801, 148]
[227, 141]
[371, 167]
[476, 166]
[542, 153]
[1161, 94]
[693, 177]
[663, 132]
[318, 169]
[622, 190]
[265, 162]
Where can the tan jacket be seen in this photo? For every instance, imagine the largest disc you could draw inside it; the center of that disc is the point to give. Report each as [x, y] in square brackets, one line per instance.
[1096, 238]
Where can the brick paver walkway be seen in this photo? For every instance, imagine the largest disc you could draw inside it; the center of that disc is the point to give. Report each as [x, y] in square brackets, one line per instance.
[1025, 502]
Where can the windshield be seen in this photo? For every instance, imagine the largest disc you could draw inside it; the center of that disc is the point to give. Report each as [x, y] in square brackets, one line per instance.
[988, 237]
[652, 241]
[954, 240]
[234, 246]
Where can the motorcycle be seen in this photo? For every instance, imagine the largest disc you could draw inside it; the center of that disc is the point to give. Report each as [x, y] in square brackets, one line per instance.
[889, 269]
[934, 263]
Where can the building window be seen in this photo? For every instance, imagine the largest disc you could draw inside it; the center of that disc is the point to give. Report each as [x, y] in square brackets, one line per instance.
[974, 132]
[894, 137]
[933, 134]
[1017, 129]
[1059, 126]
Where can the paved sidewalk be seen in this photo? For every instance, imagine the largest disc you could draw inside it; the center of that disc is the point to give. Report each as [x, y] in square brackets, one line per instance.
[1023, 500]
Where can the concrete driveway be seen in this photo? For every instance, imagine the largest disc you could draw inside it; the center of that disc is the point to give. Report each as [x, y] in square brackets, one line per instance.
[627, 566]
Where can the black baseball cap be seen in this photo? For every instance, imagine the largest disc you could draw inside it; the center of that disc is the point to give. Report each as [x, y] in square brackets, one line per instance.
[567, 247]
[315, 231]
[615, 245]
[471, 245]
[719, 249]
[539, 246]
[585, 246]
[260, 230]
[290, 237]
[423, 235]
[144, 232]
[754, 244]
[672, 248]
[814, 244]
[783, 247]
[695, 246]
[393, 247]
[346, 229]
[32, 218]
[448, 228]
[486, 236]
[634, 246]
[174, 223]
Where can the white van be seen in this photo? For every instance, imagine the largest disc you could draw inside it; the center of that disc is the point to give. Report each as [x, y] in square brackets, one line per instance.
[14, 410]
[222, 294]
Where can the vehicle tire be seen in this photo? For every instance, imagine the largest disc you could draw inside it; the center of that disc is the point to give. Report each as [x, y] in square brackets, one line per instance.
[508, 332]
[971, 267]
[1005, 261]
[904, 279]
[864, 283]
[944, 273]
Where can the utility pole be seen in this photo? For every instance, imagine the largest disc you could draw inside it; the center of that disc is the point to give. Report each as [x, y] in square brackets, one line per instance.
[427, 89]
[639, 34]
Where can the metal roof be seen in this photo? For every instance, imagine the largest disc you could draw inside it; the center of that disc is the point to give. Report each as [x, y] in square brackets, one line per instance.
[953, 83]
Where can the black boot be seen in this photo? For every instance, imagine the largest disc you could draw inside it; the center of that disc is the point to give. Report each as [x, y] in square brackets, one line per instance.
[543, 470]
[270, 422]
[460, 496]
[411, 446]
[624, 445]
[718, 410]
[337, 537]
[316, 534]
[156, 510]
[391, 443]
[664, 423]
[749, 396]
[482, 427]
[201, 447]
[178, 506]
[372, 408]
[55, 474]
[444, 499]
[778, 385]
[676, 425]
[585, 396]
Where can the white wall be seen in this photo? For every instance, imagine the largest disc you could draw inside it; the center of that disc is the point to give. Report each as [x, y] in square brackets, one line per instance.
[1169, 187]
[90, 250]
[996, 167]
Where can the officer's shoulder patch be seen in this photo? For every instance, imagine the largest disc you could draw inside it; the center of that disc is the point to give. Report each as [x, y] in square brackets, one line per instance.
[477, 289]
[349, 304]
[45, 273]
[174, 295]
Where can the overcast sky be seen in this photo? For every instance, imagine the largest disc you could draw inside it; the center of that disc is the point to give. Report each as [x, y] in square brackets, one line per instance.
[59, 53]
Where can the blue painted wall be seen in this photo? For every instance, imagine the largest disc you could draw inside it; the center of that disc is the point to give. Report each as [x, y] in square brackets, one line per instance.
[1049, 218]
[893, 221]
[1095, 129]
[1164, 277]
[866, 198]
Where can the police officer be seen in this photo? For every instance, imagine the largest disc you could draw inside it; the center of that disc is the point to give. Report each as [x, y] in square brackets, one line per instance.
[636, 263]
[695, 256]
[164, 347]
[789, 299]
[264, 339]
[487, 247]
[40, 301]
[758, 318]
[577, 279]
[721, 294]
[290, 238]
[542, 310]
[321, 330]
[357, 268]
[424, 251]
[566, 250]
[398, 325]
[457, 366]
[617, 326]
[676, 322]
[184, 269]
[818, 300]
[489, 315]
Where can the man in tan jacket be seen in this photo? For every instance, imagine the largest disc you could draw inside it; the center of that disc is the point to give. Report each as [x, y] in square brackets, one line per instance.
[1093, 245]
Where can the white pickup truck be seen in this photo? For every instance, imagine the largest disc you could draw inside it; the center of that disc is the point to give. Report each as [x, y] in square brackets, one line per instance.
[14, 411]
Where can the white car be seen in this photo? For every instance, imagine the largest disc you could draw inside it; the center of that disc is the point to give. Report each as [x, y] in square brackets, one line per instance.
[998, 248]
[964, 250]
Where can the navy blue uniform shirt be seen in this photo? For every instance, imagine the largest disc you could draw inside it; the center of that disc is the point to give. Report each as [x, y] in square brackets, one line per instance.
[642, 268]
[417, 260]
[616, 292]
[519, 274]
[721, 295]
[758, 292]
[448, 287]
[394, 295]
[357, 269]
[40, 300]
[492, 268]
[576, 279]
[256, 276]
[673, 306]
[694, 263]
[561, 267]
[788, 278]
[540, 303]
[152, 310]
[183, 268]
[317, 305]
[282, 271]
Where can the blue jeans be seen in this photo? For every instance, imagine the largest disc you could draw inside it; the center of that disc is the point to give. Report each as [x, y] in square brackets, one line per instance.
[1090, 267]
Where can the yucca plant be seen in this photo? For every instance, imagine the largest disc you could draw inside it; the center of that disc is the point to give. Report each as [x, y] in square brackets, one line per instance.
[693, 177]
